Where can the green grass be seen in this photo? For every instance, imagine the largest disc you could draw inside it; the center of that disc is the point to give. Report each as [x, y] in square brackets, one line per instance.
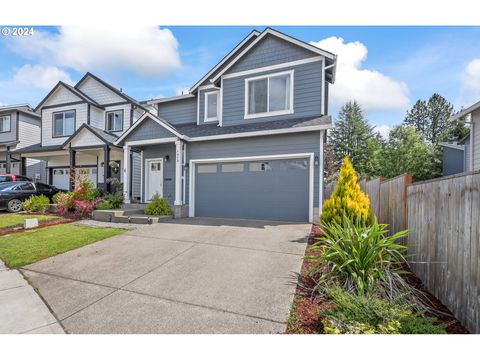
[34, 245]
[8, 220]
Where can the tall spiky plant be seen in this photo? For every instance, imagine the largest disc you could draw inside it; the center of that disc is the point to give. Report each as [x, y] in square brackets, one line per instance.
[347, 198]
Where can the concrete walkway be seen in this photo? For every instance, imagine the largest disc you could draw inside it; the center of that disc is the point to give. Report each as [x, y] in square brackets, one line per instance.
[185, 276]
[21, 309]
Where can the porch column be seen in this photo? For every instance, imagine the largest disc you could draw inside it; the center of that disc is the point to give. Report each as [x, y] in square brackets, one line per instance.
[321, 173]
[106, 167]
[126, 174]
[7, 165]
[178, 172]
[23, 166]
[73, 159]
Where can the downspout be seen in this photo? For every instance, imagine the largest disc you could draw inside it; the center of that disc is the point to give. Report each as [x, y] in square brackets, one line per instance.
[470, 121]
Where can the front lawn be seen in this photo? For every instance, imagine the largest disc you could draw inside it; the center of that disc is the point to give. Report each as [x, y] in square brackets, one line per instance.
[9, 220]
[30, 246]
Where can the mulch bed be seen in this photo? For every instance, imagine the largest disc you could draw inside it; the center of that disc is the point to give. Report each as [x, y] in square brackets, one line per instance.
[304, 317]
[41, 224]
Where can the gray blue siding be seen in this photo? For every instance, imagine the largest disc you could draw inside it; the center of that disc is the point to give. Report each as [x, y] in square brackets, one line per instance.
[307, 95]
[453, 161]
[179, 111]
[149, 129]
[270, 51]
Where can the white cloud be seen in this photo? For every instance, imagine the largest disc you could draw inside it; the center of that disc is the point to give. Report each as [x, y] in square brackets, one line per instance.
[384, 130]
[470, 82]
[372, 89]
[41, 77]
[147, 50]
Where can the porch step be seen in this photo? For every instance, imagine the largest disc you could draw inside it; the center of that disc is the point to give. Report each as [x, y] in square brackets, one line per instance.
[133, 206]
[131, 216]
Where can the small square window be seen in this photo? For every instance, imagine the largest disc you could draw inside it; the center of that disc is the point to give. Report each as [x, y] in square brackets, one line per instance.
[207, 169]
[5, 122]
[230, 168]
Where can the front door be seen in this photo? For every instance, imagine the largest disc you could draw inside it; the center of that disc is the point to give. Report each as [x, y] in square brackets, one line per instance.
[154, 178]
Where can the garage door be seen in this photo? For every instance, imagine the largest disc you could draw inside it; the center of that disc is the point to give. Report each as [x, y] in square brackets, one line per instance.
[61, 176]
[270, 190]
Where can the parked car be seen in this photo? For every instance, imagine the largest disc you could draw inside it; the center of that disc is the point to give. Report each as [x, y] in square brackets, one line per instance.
[13, 193]
[13, 177]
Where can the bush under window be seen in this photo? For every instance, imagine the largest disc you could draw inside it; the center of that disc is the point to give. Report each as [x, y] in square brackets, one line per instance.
[158, 207]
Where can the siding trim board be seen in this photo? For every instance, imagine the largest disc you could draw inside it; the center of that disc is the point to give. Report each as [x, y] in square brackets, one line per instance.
[194, 162]
[273, 67]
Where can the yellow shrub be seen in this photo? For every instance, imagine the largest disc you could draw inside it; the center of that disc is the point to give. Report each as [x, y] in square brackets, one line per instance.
[346, 198]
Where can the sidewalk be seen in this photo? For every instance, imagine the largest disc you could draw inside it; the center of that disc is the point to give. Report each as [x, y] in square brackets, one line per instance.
[21, 309]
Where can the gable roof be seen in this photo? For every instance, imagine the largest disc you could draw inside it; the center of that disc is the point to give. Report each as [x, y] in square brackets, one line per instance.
[73, 90]
[23, 108]
[110, 87]
[466, 111]
[158, 120]
[253, 33]
[269, 31]
[104, 136]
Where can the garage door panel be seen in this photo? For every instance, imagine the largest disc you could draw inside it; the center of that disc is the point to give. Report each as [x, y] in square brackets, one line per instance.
[271, 190]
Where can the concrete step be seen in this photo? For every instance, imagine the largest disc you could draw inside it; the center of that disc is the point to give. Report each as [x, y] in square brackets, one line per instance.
[140, 219]
[133, 206]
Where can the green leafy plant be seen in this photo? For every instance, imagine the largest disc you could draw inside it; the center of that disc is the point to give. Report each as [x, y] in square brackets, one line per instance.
[158, 206]
[65, 201]
[110, 201]
[370, 314]
[36, 203]
[347, 198]
[360, 257]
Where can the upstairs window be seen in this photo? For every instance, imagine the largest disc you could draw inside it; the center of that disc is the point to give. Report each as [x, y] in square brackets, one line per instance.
[211, 106]
[269, 95]
[5, 122]
[63, 123]
[115, 120]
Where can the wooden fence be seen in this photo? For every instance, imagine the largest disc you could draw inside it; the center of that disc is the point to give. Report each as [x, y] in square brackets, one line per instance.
[387, 199]
[444, 242]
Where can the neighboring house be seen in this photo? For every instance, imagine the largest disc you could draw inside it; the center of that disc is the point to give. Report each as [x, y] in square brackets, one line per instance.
[454, 161]
[80, 125]
[470, 143]
[19, 128]
[247, 141]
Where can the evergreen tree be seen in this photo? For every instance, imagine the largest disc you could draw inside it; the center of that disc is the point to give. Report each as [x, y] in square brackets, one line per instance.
[431, 118]
[350, 136]
[406, 151]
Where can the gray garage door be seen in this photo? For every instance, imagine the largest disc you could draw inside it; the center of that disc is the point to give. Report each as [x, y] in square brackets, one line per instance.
[270, 190]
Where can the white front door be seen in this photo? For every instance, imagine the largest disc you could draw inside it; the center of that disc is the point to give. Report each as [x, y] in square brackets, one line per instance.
[154, 183]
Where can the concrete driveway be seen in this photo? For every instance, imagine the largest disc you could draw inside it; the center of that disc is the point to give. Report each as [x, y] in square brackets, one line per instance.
[185, 276]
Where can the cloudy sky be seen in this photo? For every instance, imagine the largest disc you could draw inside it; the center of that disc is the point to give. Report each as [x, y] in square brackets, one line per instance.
[386, 69]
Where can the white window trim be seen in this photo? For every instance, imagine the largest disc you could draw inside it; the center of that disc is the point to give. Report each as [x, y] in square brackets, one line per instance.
[206, 118]
[9, 118]
[63, 123]
[269, 113]
[309, 156]
[121, 111]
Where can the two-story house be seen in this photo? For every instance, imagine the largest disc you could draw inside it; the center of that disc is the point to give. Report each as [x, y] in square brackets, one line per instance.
[79, 127]
[246, 141]
[19, 128]
[465, 154]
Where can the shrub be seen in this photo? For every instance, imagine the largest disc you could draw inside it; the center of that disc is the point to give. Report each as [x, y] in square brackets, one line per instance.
[36, 203]
[84, 208]
[158, 206]
[84, 190]
[110, 201]
[65, 202]
[347, 198]
[359, 314]
[359, 257]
